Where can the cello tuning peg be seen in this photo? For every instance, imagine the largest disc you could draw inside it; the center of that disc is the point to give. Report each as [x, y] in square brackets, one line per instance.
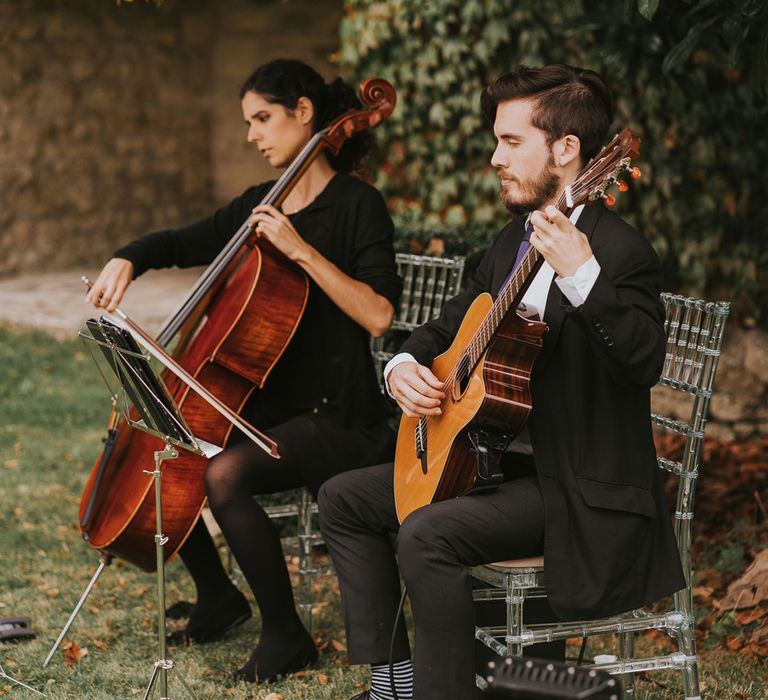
[635, 173]
[623, 186]
[610, 200]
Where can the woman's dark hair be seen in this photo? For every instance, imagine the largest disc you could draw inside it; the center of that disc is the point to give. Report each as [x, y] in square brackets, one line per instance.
[567, 100]
[284, 81]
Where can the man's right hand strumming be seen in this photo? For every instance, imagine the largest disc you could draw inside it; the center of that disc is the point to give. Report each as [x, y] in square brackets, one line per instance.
[417, 391]
[110, 285]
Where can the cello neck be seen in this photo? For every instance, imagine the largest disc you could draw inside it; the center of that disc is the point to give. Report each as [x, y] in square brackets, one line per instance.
[275, 197]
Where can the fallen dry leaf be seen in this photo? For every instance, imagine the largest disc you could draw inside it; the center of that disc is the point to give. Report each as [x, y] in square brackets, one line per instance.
[751, 588]
[749, 616]
[73, 654]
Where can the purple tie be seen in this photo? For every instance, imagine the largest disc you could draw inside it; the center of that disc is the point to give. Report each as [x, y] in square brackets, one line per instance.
[524, 245]
[521, 251]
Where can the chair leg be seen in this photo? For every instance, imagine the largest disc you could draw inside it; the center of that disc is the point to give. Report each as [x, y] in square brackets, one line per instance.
[690, 671]
[683, 601]
[515, 600]
[304, 534]
[627, 651]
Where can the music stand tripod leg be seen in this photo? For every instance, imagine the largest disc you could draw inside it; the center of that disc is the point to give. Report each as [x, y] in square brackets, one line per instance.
[106, 560]
[163, 665]
[11, 679]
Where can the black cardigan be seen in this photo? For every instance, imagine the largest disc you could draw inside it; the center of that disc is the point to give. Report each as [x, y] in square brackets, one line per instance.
[327, 366]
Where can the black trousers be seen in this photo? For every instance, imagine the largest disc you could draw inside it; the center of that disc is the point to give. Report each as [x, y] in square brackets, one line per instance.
[434, 546]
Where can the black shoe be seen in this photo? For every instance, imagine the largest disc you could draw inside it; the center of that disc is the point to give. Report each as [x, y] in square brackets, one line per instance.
[251, 672]
[180, 610]
[212, 622]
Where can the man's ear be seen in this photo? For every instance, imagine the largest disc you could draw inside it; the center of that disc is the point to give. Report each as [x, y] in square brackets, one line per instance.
[566, 150]
[304, 110]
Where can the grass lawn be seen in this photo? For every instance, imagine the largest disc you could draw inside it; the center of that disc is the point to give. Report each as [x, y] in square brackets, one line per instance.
[54, 411]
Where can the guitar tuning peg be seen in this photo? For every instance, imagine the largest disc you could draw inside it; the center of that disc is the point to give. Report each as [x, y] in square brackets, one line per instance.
[623, 186]
[610, 200]
[635, 173]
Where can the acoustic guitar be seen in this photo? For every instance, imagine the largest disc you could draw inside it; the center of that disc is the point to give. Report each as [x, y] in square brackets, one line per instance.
[487, 368]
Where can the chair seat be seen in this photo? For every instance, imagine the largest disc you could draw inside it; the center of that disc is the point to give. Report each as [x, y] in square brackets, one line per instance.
[530, 563]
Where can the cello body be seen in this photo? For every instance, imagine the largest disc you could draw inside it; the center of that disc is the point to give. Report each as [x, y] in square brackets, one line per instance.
[230, 349]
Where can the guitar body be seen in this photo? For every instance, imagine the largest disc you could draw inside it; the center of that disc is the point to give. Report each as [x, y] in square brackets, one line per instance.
[494, 395]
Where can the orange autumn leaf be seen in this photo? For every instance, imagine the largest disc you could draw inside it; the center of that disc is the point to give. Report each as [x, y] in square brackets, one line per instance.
[322, 679]
[73, 654]
[338, 646]
[749, 616]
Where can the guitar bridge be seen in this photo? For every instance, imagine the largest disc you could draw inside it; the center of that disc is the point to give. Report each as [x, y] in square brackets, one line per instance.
[420, 434]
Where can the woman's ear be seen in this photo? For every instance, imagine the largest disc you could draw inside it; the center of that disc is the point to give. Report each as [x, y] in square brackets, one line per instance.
[304, 110]
[566, 150]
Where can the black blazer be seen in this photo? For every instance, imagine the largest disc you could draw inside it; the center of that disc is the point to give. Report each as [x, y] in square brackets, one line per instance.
[609, 544]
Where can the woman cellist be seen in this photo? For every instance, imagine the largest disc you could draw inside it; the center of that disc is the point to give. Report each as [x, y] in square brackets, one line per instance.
[321, 403]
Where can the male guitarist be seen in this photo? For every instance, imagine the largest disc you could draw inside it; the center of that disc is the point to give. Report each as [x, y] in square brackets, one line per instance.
[581, 483]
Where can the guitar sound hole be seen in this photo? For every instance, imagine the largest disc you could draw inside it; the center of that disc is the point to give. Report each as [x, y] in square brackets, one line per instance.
[460, 383]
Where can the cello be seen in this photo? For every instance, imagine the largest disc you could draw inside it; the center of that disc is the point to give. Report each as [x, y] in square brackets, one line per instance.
[219, 346]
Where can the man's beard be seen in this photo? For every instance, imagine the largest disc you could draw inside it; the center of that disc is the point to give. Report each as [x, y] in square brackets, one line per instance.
[537, 193]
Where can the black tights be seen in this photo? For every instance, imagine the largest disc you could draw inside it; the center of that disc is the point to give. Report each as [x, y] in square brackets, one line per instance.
[312, 448]
[232, 479]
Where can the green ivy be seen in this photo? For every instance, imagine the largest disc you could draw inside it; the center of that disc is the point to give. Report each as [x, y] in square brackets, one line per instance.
[689, 78]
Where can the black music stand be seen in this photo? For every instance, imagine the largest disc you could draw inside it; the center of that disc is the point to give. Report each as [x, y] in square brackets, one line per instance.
[132, 381]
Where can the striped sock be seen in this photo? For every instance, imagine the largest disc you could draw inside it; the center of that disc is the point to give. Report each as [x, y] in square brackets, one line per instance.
[381, 684]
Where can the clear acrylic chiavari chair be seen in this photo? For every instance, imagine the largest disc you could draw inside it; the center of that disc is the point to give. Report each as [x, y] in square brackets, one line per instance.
[694, 329]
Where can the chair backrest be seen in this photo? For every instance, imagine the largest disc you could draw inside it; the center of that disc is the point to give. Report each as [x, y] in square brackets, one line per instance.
[694, 338]
[427, 283]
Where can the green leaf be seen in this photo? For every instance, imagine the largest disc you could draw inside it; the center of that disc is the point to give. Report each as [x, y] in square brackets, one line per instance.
[680, 53]
[647, 8]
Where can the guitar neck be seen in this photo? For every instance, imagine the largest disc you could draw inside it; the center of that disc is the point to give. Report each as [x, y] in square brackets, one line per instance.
[509, 297]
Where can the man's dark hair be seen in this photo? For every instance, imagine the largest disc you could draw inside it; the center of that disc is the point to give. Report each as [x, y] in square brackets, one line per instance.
[567, 100]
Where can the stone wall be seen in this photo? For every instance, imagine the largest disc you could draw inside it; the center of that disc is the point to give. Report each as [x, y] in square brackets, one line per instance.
[739, 406]
[119, 119]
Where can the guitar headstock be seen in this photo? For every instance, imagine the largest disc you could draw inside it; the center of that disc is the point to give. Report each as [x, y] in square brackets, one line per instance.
[605, 170]
[380, 97]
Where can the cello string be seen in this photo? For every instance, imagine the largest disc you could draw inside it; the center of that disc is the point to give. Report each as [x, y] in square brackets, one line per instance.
[235, 244]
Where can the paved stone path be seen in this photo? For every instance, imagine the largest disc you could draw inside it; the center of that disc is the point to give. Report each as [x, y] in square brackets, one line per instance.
[55, 302]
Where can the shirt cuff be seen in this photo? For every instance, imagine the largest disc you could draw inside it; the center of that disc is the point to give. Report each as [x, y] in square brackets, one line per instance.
[578, 287]
[394, 362]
